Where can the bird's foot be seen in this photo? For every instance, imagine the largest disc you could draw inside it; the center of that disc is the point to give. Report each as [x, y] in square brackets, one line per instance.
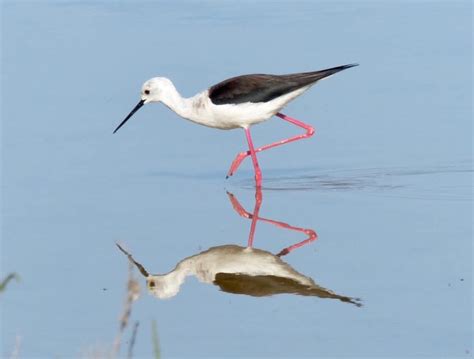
[236, 163]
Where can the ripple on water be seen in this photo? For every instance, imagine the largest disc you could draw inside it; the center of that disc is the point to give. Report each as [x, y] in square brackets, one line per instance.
[446, 182]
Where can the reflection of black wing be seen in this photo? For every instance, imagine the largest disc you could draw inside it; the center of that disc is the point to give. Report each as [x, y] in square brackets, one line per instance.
[263, 88]
[266, 285]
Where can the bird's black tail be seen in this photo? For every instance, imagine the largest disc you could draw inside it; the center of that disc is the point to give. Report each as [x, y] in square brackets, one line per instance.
[306, 78]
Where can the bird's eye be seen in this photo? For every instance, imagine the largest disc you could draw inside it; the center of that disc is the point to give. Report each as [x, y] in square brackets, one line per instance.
[147, 92]
[152, 283]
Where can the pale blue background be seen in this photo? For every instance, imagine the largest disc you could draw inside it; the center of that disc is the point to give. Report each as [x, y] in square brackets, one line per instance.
[386, 182]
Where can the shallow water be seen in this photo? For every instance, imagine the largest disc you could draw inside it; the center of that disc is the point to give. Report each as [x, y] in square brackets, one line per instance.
[386, 182]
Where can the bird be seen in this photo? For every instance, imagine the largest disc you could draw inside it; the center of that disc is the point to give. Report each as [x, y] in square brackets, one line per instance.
[237, 270]
[238, 102]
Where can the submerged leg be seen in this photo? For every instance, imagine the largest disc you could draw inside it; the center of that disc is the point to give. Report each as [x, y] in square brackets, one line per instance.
[241, 156]
[258, 172]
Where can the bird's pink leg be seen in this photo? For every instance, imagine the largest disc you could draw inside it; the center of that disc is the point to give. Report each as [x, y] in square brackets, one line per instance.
[241, 156]
[312, 236]
[258, 172]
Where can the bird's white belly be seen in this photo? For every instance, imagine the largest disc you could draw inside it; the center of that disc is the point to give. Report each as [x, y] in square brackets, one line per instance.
[241, 115]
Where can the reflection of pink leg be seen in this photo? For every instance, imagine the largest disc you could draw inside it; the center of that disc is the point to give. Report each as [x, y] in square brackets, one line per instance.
[312, 236]
[258, 172]
[258, 203]
[253, 216]
[241, 156]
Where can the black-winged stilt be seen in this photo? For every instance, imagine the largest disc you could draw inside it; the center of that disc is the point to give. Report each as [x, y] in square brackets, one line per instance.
[238, 102]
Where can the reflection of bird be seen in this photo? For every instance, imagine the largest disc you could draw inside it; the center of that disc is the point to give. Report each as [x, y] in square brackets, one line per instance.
[238, 102]
[238, 270]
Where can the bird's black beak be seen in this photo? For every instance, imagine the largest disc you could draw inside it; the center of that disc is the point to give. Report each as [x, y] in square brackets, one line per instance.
[136, 108]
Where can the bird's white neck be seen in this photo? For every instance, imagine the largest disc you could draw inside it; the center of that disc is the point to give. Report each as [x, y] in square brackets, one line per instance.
[174, 101]
[192, 109]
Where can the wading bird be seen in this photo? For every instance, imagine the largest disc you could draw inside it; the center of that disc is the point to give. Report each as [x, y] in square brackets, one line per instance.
[238, 102]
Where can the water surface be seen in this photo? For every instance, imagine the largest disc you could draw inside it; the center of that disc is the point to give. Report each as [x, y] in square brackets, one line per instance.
[386, 182]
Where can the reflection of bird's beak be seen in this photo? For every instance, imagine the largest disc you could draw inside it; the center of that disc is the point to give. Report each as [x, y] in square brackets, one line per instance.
[139, 266]
[136, 108]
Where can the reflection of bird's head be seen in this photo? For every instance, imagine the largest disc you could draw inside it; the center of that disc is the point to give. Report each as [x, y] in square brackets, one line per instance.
[162, 287]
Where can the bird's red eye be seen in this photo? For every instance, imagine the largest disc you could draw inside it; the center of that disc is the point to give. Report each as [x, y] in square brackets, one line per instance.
[147, 92]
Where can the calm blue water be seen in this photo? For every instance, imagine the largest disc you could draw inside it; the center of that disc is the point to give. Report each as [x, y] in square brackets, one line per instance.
[386, 182]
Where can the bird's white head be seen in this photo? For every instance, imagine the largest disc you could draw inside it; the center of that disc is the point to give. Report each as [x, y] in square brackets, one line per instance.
[153, 90]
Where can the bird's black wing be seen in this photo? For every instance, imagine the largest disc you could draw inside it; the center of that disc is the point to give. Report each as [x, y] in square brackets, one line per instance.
[263, 88]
